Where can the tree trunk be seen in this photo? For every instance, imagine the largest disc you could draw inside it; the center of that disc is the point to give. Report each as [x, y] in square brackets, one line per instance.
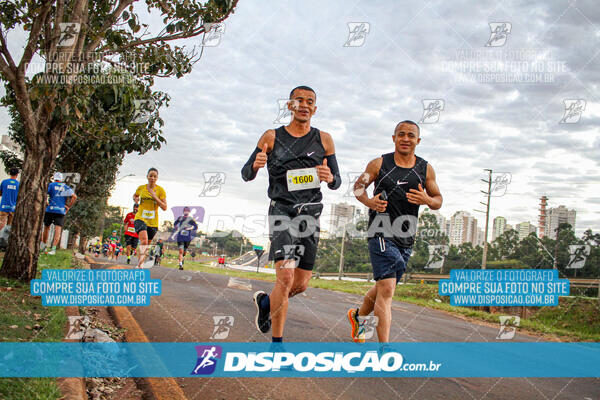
[83, 241]
[71, 241]
[20, 260]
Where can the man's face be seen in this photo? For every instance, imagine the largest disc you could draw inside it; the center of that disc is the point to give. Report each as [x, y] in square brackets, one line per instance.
[406, 138]
[303, 105]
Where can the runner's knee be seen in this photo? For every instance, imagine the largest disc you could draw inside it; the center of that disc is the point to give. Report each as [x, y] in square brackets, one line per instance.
[386, 291]
[298, 289]
[285, 281]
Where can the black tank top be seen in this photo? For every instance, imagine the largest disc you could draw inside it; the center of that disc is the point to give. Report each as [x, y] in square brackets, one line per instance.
[290, 153]
[397, 181]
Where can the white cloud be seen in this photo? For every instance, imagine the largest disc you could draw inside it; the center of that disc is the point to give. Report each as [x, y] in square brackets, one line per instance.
[219, 111]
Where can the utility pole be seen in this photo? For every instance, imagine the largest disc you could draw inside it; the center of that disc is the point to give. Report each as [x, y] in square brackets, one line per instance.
[487, 217]
[342, 254]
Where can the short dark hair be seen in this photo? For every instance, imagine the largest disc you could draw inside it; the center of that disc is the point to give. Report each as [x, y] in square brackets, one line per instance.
[302, 87]
[152, 169]
[136, 205]
[408, 121]
[13, 171]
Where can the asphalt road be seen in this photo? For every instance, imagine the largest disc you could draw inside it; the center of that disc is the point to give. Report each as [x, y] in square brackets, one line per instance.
[184, 313]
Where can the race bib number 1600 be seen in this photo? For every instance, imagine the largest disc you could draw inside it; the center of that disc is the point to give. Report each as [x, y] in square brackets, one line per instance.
[304, 178]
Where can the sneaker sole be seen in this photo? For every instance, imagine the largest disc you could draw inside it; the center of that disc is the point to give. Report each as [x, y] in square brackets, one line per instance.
[354, 326]
[257, 310]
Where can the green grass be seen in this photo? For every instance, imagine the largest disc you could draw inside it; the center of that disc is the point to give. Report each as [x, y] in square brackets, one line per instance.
[35, 323]
[574, 319]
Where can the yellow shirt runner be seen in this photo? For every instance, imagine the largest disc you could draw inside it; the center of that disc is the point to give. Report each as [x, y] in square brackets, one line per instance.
[148, 210]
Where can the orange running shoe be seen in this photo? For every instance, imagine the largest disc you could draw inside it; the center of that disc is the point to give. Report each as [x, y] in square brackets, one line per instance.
[358, 329]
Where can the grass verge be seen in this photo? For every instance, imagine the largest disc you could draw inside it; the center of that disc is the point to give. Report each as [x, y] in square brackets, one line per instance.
[24, 319]
[574, 319]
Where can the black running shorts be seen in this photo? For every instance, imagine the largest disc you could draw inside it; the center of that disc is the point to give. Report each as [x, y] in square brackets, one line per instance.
[294, 232]
[140, 225]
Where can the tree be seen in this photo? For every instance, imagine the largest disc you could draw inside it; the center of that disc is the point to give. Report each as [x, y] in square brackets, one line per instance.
[167, 226]
[592, 263]
[530, 254]
[228, 243]
[113, 221]
[506, 244]
[565, 238]
[71, 36]
[96, 154]
[93, 192]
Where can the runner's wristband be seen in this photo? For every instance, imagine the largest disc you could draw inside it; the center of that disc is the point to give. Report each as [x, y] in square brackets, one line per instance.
[333, 166]
[248, 173]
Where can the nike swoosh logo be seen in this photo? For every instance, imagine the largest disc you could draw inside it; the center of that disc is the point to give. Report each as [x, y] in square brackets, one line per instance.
[401, 183]
[310, 154]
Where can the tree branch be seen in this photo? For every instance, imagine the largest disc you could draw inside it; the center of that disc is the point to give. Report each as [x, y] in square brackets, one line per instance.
[180, 35]
[7, 64]
[58, 18]
[34, 36]
[110, 21]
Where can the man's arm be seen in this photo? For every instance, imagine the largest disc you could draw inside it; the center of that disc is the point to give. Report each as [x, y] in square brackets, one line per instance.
[71, 201]
[431, 196]
[363, 182]
[329, 172]
[258, 158]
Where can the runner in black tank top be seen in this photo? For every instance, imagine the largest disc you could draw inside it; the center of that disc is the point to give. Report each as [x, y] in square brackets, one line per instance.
[298, 157]
[290, 153]
[408, 181]
[399, 222]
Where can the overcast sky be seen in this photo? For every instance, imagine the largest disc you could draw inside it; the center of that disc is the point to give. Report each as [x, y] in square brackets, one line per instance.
[412, 52]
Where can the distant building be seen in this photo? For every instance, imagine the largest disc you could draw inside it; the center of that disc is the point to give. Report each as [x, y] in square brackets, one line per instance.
[499, 227]
[555, 217]
[463, 228]
[480, 237]
[542, 216]
[524, 229]
[341, 215]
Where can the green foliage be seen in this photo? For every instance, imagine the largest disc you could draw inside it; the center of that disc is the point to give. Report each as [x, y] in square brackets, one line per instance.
[97, 151]
[113, 221]
[505, 252]
[10, 160]
[356, 255]
[227, 243]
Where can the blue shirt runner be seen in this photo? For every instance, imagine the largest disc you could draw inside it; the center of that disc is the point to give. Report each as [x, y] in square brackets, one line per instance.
[10, 190]
[58, 192]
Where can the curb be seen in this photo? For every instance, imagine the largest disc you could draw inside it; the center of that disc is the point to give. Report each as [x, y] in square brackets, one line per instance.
[158, 388]
[71, 388]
